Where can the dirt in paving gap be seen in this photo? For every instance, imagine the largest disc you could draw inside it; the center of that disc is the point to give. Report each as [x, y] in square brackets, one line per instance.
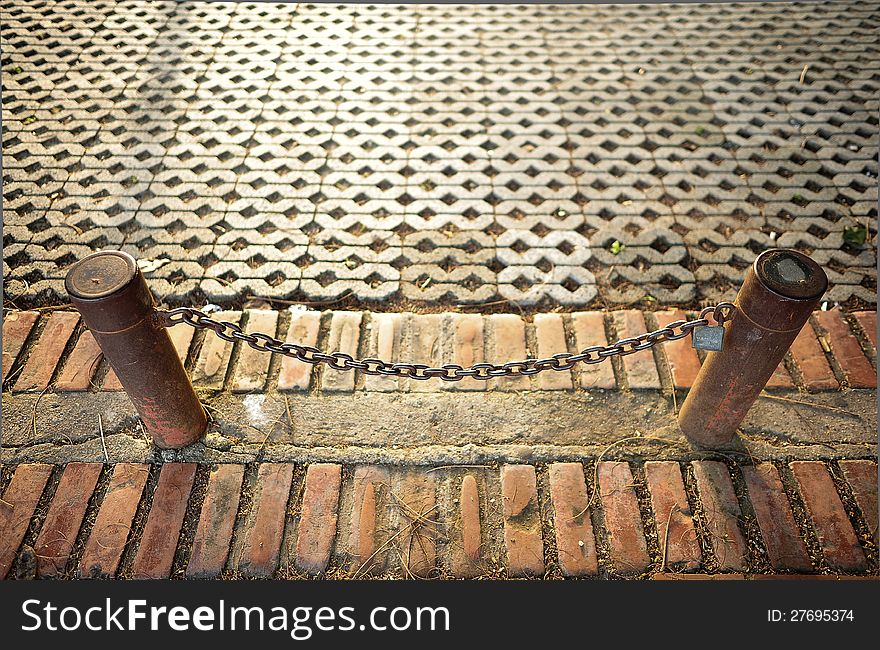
[190, 521]
[88, 522]
[125, 569]
[396, 303]
[26, 349]
[275, 360]
[100, 374]
[797, 376]
[68, 349]
[229, 377]
[319, 369]
[6, 472]
[448, 480]
[856, 516]
[832, 360]
[287, 555]
[25, 564]
[245, 503]
[444, 518]
[336, 569]
[611, 335]
[799, 510]
[653, 542]
[597, 517]
[195, 348]
[757, 560]
[701, 523]
[667, 385]
[494, 553]
[546, 517]
[862, 338]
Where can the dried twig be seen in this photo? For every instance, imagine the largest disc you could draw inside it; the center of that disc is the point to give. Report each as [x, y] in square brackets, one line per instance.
[596, 467]
[386, 543]
[434, 469]
[34, 412]
[666, 537]
[289, 419]
[103, 443]
[804, 72]
[345, 295]
[813, 404]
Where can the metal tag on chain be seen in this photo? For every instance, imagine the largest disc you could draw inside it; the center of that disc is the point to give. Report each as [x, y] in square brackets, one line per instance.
[709, 337]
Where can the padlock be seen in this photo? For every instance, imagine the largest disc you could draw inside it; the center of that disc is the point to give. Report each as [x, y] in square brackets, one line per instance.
[708, 337]
[711, 337]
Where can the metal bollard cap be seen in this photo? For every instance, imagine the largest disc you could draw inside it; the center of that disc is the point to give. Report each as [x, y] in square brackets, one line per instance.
[781, 289]
[791, 274]
[109, 291]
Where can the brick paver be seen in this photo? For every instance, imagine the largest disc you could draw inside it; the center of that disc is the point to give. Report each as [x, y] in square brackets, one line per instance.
[589, 331]
[303, 330]
[522, 521]
[867, 320]
[81, 365]
[367, 524]
[16, 327]
[433, 339]
[344, 337]
[155, 553]
[780, 378]
[425, 339]
[862, 477]
[845, 347]
[575, 542]
[641, 372]
[112, 526]
[672, 514]
[18, 503]
[252, 366]
[364, 552]
[840, 545]
[419, 522]
[467, 348]
[623, 524]
[47, 351]
[211, 543]
[810, 359]
[317, 523]
[550, 337]
[263, 526]
[779, 531]
[680, 354]
[467, 535]
[64, 518]
[213, 360]
[507, 340]
[721, 514]
[385, 339]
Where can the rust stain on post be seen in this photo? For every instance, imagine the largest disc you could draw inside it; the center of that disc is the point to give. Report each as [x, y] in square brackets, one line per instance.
[112, 296]
[780, 291]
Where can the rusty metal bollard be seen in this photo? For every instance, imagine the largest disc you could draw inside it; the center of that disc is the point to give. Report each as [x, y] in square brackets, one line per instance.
[111, 294]
[779, 293]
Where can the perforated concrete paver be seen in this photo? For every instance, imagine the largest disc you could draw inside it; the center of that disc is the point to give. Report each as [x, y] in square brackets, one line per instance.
[453, 154]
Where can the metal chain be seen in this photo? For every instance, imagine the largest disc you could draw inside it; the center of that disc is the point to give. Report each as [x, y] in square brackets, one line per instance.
[449, 372]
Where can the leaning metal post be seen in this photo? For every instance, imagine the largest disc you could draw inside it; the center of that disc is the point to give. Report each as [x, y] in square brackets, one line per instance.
[778, 295]
[112, 296]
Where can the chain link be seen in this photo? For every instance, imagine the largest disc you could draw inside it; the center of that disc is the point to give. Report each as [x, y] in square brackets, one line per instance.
[449, 372]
